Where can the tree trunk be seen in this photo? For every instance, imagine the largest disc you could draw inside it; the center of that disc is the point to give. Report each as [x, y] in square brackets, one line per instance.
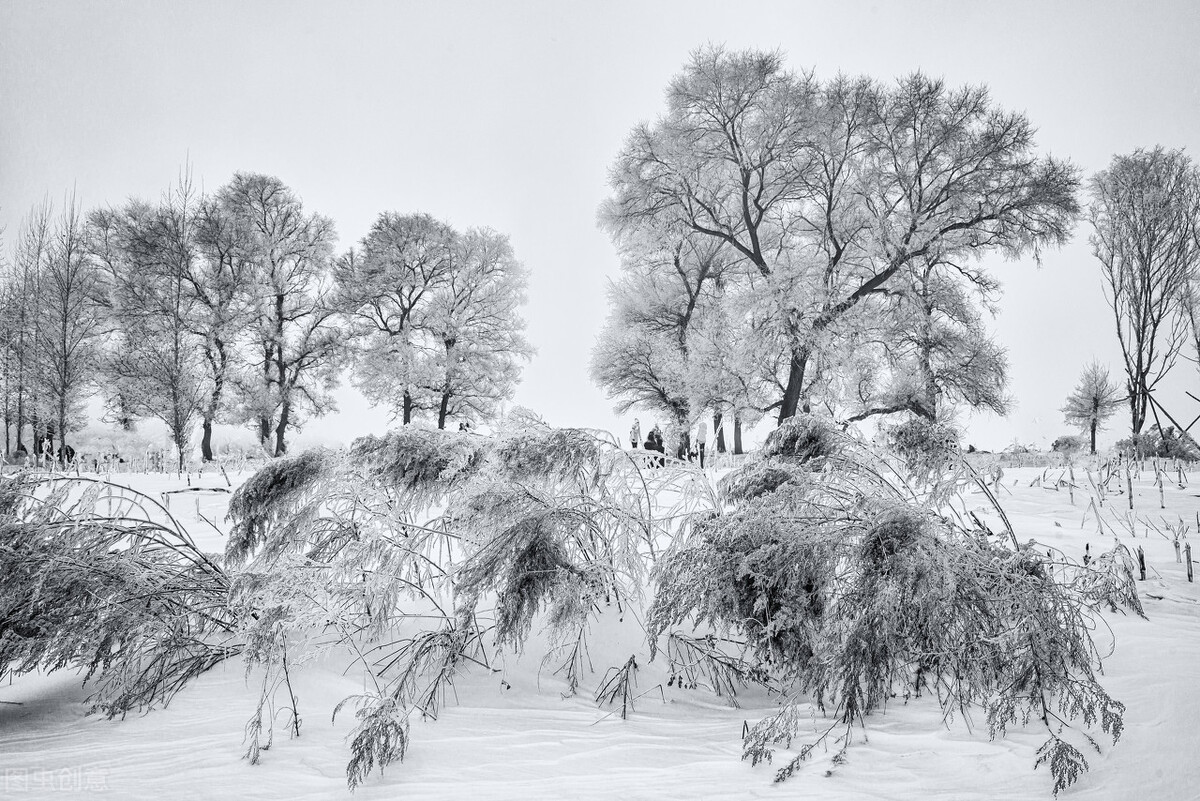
[264, 430]
[442, 409]
[795, 384]
[62, 425]
[444, 406]
[217, 364]
[285, 387]
[1137, 408]
[719, 431]
[408, 407]
[206, 439]
[281, 429]
[35, 431]
[737, 434]
[1093, 436]
[20, 418]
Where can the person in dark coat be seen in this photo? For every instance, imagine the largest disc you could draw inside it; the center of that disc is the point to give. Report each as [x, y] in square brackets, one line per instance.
[655, 441]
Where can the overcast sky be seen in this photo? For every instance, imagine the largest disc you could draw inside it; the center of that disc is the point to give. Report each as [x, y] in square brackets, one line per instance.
[509, 114]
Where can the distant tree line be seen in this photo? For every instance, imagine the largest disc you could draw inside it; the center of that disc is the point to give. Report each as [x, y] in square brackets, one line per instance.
[235, 307]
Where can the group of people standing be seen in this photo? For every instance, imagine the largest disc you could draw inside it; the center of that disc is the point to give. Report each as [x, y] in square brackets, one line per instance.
[654, 442]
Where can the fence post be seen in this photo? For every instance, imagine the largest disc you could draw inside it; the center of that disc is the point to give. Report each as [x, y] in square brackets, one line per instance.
[1187, 553]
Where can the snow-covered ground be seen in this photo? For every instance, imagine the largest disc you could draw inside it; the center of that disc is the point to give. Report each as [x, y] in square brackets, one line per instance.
[511, 733]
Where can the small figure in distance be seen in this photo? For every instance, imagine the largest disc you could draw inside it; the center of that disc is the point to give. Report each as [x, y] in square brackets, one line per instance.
[635, 434]
[654, 442]
[701, 438]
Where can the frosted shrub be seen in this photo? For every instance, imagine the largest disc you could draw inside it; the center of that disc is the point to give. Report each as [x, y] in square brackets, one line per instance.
[924, 446]
[802, 439]
[481, 536]
[89, 581]
[850, 585]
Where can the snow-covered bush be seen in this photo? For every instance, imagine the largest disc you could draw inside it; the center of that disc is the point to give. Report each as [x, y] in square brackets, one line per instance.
[924, 445]
[1069, 444]
[851, 584]
[481, 536]
[90, 581]
[1166, 443]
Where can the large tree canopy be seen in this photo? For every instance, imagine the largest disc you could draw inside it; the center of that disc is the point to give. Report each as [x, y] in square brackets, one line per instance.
[823, 194]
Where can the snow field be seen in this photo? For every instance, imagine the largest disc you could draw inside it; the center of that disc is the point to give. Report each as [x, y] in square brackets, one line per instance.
[511, 733]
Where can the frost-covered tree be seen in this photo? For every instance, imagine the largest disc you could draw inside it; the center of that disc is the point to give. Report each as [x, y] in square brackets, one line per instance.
[1145, 211]
[644, 357]
[23, 288]
[640, 370]
[933, 350]
[387, 287]
[435, 317]
[9, 331]
[1094, 400]
[219, 285]
[154, 368]
[728, 370]
[474, 316]
[292, 364]
[68, 322]
[828, 191]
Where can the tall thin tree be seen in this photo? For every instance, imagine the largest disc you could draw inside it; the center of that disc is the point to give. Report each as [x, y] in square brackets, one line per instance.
[1145, 211]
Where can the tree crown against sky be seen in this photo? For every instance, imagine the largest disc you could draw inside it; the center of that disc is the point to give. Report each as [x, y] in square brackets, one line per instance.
[825, 195]
[1093, 401]
[436, 318]
[1145, 216]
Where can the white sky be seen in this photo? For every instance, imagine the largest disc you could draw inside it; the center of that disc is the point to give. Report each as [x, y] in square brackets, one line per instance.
[509, 115]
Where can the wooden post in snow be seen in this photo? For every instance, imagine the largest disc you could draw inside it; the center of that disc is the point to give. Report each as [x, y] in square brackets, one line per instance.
[1178, 558]
[1129, 486]
[1187, 554]
[1141, 555]
[1071, 486]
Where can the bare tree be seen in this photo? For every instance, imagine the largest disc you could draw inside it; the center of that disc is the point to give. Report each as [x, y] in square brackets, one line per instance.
[829, 191]
[1145, 210]
[1094, 400]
